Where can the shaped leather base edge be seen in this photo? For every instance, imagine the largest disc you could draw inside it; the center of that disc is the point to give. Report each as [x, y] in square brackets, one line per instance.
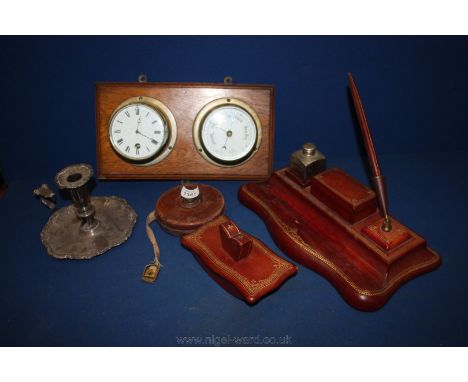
[250, 278]
[292, 244]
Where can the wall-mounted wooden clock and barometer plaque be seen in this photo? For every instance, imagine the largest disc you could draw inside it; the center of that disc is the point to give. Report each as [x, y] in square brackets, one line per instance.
[184, 130]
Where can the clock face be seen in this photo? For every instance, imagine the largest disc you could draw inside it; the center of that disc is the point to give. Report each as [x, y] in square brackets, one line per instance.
[229, 134]
[138, 132]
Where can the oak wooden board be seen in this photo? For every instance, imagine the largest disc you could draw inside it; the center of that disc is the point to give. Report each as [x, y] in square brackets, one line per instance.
[184, 100]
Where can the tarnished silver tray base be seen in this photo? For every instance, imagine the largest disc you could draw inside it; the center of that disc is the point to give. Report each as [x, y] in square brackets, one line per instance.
[64, 238]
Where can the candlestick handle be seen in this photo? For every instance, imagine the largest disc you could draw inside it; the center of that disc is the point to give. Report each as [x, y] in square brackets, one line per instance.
[47, 196]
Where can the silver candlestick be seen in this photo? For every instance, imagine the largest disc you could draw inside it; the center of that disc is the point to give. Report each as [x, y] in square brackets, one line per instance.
[88, 227]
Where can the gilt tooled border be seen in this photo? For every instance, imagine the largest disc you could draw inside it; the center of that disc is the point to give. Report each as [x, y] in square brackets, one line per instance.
[294, 236]
[252, 286]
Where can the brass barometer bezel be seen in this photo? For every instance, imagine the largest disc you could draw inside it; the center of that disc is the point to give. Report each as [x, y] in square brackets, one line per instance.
[170, 126]
[206, 111]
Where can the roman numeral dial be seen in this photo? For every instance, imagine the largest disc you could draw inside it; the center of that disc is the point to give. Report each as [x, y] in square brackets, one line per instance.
[138, 131]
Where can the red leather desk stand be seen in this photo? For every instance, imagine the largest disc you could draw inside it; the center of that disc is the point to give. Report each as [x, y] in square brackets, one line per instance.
[331, 225]
[239, 262]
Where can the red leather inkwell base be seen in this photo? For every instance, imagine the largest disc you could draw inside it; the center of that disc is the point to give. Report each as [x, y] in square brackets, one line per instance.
[332, 226]
[239, 262]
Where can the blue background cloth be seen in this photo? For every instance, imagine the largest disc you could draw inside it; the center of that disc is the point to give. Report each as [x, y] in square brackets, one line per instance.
[415, 91]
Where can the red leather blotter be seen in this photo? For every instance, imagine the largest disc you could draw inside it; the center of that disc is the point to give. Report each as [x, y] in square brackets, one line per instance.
[332, 225]
[239, 262]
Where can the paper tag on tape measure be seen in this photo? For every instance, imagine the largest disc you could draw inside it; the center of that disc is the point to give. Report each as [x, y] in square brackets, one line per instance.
[188, 193]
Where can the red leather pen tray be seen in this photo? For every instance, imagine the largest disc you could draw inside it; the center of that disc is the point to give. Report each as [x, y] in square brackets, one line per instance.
[332, 225]
[237, 261]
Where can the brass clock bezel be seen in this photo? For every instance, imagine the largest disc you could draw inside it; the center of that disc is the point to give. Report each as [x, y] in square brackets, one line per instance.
[169, 122]
[208, 109]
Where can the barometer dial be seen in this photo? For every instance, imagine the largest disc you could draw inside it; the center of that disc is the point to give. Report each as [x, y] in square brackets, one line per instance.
[227, 132]
[142, 130]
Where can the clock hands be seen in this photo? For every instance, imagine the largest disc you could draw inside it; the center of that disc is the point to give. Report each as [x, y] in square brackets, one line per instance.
[138, 124]
[151, 139]
[138, 132]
